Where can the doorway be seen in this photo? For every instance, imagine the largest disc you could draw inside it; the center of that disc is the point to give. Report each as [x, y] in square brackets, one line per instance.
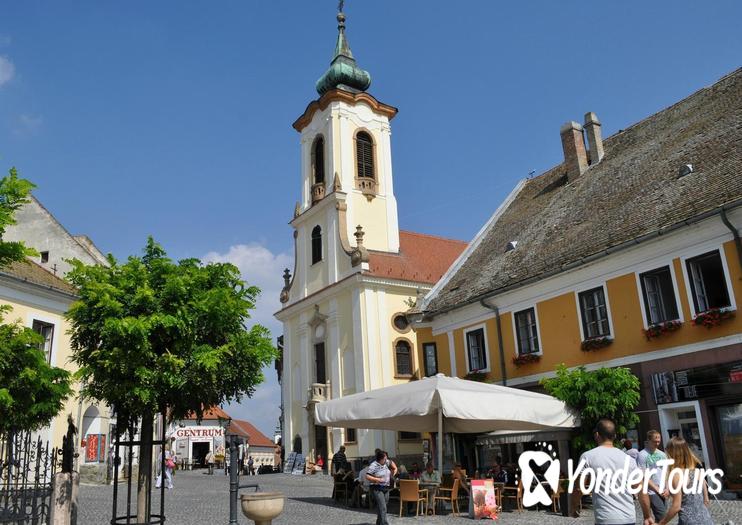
[729, 420]
[199, 454]
[684, 420]
[320, 442]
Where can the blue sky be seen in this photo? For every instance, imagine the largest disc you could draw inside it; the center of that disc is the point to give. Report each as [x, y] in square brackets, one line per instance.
[174, 118]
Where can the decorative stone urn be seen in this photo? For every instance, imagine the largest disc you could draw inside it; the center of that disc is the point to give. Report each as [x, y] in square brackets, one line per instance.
[262, 507]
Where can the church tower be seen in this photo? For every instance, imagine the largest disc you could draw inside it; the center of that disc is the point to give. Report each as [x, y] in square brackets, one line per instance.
[355, 273]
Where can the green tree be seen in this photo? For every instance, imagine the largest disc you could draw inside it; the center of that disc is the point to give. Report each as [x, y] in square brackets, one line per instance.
[606, 392]
[151, 335]
[32, 392]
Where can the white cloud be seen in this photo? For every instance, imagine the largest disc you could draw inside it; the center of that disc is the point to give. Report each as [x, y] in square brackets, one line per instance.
[27, 125]
[262, 268]
[7, 70]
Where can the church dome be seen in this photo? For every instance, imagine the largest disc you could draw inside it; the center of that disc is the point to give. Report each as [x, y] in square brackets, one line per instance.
[343, 72]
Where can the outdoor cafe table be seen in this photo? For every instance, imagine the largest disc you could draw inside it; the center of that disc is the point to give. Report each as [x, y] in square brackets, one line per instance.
[432, 489]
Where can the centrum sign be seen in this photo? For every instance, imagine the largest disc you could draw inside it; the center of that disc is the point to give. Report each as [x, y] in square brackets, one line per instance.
[199, 432]
[610, 481]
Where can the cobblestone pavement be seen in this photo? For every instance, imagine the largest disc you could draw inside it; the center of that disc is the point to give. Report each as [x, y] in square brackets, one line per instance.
[199, 499]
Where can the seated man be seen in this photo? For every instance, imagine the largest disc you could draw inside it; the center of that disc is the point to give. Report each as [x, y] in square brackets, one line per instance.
[415, 471]
[431, 480]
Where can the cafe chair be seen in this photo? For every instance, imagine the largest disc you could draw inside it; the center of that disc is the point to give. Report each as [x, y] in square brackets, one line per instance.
[448, 495]
[410, 491]
[340, 489]
[515, 494]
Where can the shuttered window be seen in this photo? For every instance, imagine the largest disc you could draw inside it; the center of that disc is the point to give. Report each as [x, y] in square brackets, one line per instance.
[707, 282]
[319, 160]
[365, 155]
[475, 347]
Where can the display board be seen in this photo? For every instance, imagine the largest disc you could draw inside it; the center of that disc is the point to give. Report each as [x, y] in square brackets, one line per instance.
[483, 504]
[294, 463]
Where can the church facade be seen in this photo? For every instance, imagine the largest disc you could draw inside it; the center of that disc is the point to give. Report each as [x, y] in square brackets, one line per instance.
[355, 273]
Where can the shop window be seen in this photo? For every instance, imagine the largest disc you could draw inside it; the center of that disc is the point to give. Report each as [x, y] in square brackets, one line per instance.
[350, 435]
[403, 355]
[526, 332]
[594, 313]
[707, 282]
[46, 330]
[476, 350]
[316, 244]
[410, 436]
[430, 357]
[659, 296]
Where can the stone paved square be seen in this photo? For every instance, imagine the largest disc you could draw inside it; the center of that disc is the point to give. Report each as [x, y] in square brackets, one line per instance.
[199, 499]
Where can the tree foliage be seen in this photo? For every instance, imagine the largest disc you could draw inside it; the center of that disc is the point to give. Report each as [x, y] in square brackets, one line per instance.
[607, 392]
[151, 334]
[14, 193]
[32, 392]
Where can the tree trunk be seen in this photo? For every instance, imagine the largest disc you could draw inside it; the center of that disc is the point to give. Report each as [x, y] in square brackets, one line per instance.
[144, 479]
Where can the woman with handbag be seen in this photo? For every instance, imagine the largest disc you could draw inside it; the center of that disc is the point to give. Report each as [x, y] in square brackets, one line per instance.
[169, 466]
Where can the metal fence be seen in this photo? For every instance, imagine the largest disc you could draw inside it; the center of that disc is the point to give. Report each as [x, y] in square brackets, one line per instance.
[27, 467]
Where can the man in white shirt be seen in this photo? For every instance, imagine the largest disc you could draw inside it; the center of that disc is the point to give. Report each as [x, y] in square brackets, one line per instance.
[611, 507]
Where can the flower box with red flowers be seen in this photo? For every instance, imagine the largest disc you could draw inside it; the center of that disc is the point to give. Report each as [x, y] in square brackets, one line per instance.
[595, 343]
[525, 359]
[656, 330]
[713, 317]
[476, 375]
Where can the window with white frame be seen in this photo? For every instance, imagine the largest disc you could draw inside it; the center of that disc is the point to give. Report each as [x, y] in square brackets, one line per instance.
[594, 313]
[707, 282]
[526, 332]
[659, 296]
[476, 349]
[46, 330]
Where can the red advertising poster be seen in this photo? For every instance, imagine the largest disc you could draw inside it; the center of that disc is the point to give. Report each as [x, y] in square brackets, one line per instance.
[91, 448]
[483, 499]
[95, 448]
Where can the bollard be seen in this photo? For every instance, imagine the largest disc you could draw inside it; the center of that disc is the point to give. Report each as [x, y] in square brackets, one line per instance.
[65, 488]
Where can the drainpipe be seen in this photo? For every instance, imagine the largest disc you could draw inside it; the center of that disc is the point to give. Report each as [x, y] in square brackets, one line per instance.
[495, 309]
[735, 234]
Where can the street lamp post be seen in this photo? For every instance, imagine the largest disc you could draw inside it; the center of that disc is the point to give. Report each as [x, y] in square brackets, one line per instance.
[234, 476]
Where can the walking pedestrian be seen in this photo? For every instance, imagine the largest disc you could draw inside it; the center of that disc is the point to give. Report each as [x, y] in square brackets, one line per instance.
[647, 460]
[169, 466]
[690, 508]
[210, 461]
[250, 469]
[379, 477]
[615, 507]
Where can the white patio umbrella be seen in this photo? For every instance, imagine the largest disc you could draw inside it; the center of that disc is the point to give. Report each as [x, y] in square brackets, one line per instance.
[440, 403]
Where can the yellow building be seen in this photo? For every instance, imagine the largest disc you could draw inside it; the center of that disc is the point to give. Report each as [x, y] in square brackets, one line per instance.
[355, 273]
[40, 296]
[626, 254]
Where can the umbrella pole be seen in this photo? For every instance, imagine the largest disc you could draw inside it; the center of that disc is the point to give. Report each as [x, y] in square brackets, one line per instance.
[440, 440]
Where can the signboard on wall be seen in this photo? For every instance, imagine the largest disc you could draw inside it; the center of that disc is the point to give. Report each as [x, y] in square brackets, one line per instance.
[697, 383]
[198, 433]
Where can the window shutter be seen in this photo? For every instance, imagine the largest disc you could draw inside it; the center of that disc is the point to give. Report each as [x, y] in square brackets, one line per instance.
[365, 155]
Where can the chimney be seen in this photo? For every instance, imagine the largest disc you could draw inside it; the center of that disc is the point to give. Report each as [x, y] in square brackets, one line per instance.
[573, 144]
[594, 137]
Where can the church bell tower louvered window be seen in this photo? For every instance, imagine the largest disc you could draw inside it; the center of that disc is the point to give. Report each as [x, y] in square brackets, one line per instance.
[365, 155]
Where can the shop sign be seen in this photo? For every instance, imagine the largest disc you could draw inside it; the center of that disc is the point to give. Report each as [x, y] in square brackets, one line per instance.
[196, 433]
[697, 383]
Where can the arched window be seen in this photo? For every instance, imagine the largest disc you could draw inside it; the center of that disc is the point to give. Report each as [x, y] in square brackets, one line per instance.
[318, 160]
[316, 244]
[403, 354]
[365, 155]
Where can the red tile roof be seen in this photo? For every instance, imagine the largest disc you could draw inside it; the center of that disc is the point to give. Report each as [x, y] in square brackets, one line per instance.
[421, 258]
[255, 438]
[212, 413]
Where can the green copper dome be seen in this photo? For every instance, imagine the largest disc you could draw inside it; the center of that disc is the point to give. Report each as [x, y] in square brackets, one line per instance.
[343, 73]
